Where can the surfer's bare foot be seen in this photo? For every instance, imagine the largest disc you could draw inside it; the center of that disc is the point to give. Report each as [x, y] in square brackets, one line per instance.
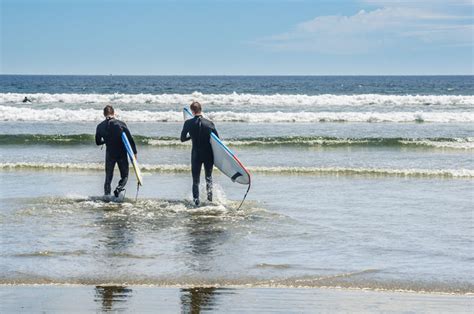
[196, 201]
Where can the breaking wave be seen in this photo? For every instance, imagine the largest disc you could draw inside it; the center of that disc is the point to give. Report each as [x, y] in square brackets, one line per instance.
[303, 141]
[246, 99]
[8, 113]
[339, 171]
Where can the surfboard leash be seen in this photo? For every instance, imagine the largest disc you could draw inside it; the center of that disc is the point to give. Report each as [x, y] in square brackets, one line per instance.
[245, 196]
[136, 195]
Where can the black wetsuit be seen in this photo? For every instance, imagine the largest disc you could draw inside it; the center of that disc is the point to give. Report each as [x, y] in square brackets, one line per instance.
[200, 130]
[109, 132]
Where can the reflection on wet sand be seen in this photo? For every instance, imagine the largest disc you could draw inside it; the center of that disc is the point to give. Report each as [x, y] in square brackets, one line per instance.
[112, 298]
[195, 300]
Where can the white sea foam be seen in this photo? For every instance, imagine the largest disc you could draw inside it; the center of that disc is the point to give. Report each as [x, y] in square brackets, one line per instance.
[175, 168]
[465, 144]
[243, 100]
[455, 143]
[8, 113]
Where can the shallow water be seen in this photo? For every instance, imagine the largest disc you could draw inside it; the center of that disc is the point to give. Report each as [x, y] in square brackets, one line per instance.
[396, 234]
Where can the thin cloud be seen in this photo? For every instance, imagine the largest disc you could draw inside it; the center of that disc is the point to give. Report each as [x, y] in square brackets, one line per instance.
[418, 3]
[379, 28]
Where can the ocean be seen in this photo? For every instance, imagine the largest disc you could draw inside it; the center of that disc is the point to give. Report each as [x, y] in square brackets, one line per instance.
[359, 183]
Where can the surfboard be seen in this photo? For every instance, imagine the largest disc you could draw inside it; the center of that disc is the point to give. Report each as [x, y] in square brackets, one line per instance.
[224, 159]
[136, 169]
[187, 114]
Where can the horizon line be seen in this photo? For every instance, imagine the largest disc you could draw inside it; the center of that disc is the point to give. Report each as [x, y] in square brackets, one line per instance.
[230, 75]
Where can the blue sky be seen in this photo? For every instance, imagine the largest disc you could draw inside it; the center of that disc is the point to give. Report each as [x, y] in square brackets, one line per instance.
[217, 37]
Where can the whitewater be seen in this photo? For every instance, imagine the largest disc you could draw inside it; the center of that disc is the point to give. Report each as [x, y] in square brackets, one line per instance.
[246, 100]
[8, 113]
[446, 173]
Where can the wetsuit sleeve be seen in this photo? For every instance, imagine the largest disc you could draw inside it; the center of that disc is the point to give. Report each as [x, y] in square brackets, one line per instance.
[130, 139]
[99, 137]
[214, 130]
[184, 132]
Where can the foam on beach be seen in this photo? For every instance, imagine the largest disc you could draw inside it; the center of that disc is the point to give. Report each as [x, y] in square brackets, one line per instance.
[174, 168]
[456, 143]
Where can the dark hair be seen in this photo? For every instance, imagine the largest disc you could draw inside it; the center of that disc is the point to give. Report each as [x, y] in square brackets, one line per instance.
[195, 107]
[108, 110]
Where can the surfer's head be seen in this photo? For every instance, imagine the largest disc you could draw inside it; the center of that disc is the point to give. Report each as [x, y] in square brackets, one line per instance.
[196, 108]
[108, 111]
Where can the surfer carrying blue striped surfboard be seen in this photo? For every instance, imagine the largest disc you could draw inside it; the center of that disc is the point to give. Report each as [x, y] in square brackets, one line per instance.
[199, 130]
[109, 132]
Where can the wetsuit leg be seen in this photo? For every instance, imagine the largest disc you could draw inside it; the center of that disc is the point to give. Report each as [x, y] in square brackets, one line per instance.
[109, 173]
[208, 165]
[123, 167]
[196, 165]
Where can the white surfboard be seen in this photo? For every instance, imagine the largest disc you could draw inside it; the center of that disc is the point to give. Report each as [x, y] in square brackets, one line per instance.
[224, 159]
[136, 169]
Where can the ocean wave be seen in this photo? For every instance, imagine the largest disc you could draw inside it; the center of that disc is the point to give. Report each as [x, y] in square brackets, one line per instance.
[242, 99]
[8, 113]
[302, 141]
[338, 171]
[315, 141]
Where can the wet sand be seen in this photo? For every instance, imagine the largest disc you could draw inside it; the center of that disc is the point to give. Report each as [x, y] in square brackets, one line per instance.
[141, 299]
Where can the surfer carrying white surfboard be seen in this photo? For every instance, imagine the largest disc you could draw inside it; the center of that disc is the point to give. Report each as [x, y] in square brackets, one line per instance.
[109, 132]
[199, 130]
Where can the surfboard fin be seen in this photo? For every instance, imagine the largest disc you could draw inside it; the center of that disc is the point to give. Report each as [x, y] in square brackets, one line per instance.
[235, 176]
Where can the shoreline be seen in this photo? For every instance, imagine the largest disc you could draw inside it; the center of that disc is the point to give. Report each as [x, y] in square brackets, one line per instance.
[341, 289]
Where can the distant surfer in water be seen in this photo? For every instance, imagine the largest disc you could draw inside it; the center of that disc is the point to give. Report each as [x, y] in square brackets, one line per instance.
[26, 99]
[199, 130]
[109, 132]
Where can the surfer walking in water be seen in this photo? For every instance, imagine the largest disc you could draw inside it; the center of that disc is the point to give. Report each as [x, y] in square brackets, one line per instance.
[199, 129]
[109, 132]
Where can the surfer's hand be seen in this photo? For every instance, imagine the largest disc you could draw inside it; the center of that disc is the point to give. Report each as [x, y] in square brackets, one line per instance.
[136, 158]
